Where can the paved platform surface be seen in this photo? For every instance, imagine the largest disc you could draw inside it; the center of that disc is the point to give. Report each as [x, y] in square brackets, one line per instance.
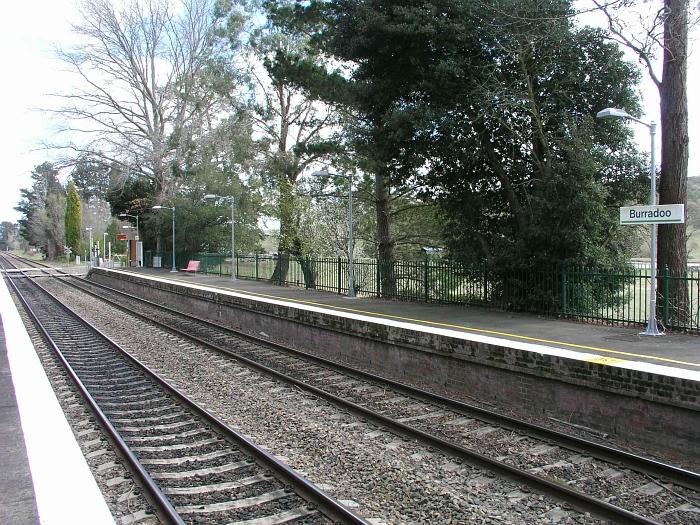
[614, 344]
[17, 503]
[44, 477]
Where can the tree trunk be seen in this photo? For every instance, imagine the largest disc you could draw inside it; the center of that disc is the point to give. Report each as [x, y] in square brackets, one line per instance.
[385, 244]
[672, 250]
[288, 233]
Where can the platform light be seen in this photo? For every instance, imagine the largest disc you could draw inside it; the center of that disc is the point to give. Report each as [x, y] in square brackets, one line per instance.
[211, 196]
[351, 273]
[652, 327]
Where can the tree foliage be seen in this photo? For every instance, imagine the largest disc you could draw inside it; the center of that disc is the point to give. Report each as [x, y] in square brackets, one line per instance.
[43, 207]
[72, 220]
[91, 177]
[489, 110]
[145, 90]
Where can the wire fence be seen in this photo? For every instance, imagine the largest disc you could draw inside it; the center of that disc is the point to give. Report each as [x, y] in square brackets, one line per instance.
[603, 295]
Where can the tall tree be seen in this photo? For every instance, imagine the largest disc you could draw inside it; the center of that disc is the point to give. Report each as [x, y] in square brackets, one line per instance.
[353, 83]
[43, 208]
[73, 220]
[142, 67]
[294, 129]
[8, 235]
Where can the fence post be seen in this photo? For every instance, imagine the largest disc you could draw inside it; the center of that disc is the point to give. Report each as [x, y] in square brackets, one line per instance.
[564, 290]
[220, 261]
[256, 266]
[425, 281]
[308, 271]
[486, 284]
[379, 278]
[666, 298]
[340, 272]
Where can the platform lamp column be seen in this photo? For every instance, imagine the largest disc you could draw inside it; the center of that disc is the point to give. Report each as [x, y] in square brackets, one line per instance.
[211, 196]
[652, 327]
[174, 268]
[351, 273]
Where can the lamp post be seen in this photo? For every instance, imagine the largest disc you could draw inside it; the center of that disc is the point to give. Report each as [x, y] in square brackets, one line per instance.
[351, 273]
[211, 196]
[104, 245]
[89, 229]
[174, 269]
[652, 328]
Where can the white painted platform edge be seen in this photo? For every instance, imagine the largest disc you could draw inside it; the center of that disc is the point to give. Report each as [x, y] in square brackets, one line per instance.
[628, 363]
[64, 487]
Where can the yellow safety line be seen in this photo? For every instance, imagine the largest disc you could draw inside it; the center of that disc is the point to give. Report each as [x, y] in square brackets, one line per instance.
[459, 327]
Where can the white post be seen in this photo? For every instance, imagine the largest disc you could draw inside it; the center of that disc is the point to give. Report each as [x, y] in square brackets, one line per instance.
[652, 328]
[174, 269]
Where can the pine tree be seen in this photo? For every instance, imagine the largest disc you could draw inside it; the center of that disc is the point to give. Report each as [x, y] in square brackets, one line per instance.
[72, 219]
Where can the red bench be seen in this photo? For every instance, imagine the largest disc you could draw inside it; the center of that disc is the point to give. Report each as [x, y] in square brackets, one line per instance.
[192, 266]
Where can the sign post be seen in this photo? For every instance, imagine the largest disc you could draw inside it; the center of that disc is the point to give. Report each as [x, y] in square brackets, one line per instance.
[653, 214]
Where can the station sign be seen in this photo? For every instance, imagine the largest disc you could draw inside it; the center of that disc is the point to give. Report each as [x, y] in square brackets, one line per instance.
[121, 236]
[661, 214]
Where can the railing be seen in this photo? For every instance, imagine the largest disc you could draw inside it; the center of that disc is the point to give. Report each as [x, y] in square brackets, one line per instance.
[612, 296]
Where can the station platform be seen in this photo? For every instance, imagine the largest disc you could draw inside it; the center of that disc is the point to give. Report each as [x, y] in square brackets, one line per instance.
[613, 345]
[44, 478]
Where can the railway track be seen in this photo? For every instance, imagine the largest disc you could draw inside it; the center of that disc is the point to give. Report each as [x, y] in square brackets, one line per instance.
[193, 468]
[609, 483]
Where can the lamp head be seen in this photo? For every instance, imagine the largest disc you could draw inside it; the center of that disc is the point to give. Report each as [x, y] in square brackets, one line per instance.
[613, 113]
[157, 207]
[210, 197]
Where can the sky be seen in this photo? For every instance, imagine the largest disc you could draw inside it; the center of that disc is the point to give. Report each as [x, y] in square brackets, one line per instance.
[28, 33]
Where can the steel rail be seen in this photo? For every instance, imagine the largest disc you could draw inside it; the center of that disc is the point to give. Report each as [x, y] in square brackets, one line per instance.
[328, 505]
[577, 499]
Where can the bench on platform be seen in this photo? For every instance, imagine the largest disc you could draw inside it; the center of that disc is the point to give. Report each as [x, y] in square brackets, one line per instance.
[192, 266]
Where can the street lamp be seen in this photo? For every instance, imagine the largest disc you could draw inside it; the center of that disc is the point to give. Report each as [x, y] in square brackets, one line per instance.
[89, 229]
[351, 273]
[211, 196]
[652, 328]
[174, 269]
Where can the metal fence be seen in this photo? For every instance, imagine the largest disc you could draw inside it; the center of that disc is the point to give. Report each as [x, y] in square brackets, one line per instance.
[604, 295]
